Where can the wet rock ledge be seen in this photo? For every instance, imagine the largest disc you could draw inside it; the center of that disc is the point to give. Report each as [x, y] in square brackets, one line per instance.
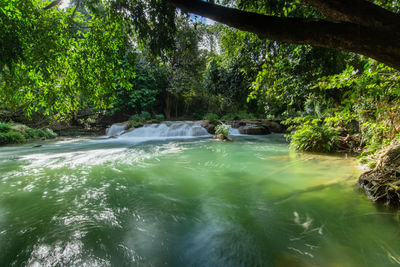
[253, 127]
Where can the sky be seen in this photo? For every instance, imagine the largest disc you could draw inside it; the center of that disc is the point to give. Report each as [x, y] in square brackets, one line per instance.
[64, 3]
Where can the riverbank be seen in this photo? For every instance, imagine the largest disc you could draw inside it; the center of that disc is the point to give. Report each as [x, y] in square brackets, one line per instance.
[15, 133]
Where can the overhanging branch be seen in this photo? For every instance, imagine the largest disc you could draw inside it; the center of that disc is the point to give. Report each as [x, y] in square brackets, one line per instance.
[356, 11]
[378, 43]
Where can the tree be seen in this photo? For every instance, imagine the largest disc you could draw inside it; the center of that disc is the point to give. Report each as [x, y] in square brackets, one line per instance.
[49, 67]
[356, 26]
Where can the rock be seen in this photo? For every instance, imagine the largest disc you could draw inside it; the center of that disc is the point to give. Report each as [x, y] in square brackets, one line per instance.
[208, 126]
[274, 126]
[222, 137]
[254, 129]
[35, 146]
[236, 124]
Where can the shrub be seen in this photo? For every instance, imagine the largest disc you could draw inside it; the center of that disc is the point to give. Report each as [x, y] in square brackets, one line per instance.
[222, 129]
[137, 124]
[135, 117]
[30, 133]
[314, 136]
[159, 117]
[197, 115]
[50, 133]
[4, 127]
[238, 116]
[145, 115]
[211, 117]
[12, 137]
[230, 117]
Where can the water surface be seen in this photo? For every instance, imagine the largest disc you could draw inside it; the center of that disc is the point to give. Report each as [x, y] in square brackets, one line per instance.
[189, 202]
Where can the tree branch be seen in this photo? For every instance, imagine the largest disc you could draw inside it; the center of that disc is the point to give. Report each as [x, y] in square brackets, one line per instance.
[359, 12]
[52, 4]
[380, 44]
[74, 12]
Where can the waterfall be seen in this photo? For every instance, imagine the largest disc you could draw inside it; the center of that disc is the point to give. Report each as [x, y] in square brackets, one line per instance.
[178, 129]
[116, 129]
[234, 131]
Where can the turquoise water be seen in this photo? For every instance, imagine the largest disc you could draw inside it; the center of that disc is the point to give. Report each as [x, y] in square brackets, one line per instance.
[191, 202]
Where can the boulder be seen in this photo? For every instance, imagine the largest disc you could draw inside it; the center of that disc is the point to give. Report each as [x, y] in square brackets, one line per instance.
[208, 126]
[254, 129]
[236, 124]
[273, 126]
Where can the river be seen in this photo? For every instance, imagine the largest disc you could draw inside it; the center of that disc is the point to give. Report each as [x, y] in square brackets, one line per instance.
[187, 202]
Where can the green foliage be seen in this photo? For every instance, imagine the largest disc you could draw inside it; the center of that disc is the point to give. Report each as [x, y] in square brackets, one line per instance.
[145, 115]
[222, 129]
[374, 137]
[137, 120]
[52, 68]
[211, 117]
[313, 135]
[30, 133]
[4, 127]
[148, 87]
[159, 117]
[238, 116]
[11, 137]
[286, 84]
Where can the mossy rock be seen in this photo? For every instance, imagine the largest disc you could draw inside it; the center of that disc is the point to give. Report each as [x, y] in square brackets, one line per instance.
[222, 137]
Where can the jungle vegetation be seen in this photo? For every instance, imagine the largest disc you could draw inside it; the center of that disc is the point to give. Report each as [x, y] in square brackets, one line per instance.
[327, 67]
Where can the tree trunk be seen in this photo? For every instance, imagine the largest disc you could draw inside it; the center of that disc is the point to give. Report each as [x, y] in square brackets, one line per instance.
[167, 109]
[354, 26]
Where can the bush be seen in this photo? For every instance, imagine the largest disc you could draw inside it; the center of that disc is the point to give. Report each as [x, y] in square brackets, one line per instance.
[4, 127]
[146, 116]
[314, 136]
[50, 133]
[135, 117]
[197, 115]
[230, 117]
[159, 117]
[39, 133]
[211, 117]
[12, 137]
[222, 129]
[238, 116]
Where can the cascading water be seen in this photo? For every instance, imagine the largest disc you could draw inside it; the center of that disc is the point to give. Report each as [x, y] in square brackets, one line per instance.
[179, 129]
[116, 129]
[234, 131]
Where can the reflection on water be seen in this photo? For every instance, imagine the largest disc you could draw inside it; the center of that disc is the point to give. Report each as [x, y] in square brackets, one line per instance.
[198, 202]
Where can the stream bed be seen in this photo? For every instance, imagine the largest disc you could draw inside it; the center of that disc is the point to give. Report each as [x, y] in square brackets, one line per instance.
[187, 202]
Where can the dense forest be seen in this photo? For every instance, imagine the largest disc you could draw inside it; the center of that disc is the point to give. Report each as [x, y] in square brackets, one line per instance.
[90, 63]
[199, 133]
